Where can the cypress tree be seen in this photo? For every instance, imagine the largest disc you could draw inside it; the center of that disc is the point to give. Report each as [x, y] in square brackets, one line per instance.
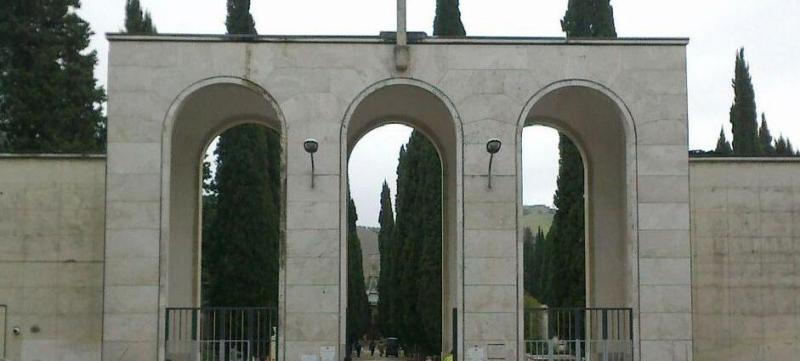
[385, 240]
[589, 19]
[781, 148]
[743, 111]
[49, 99]
[723, 147]
[448, 19]
[242, 259]
[242, 256]
[528, 249]
[416, 272]
[239, 19]
[566, 274]
[358, 313]
[765, 138]
[537, 279]
[429, 236]
[138, 21]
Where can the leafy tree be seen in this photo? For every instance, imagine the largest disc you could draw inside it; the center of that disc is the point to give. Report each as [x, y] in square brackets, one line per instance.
[723, 146]
[138, 21]
[358, 312]
[49, 99]
[765, 138]
[743, 111]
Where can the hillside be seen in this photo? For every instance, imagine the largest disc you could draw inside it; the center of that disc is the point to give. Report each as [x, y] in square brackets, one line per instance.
[537, 216]
[369, 252]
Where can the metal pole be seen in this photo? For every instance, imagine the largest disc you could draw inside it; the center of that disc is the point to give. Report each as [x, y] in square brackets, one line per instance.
[402, 38]
[455, 331]
[491, 158]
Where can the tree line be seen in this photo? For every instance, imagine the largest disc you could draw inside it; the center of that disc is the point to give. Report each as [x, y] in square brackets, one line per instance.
[749, 138]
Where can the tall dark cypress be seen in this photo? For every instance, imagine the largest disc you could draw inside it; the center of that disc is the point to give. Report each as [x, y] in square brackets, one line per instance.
[242, 255]
[358, 313]
[49, 99]
[241, 245]
[765, 143]
[239, 19]
[385, 241]
[137, 20]
[589, 19]
[448, 19]
[416, 250]
[528, 270]
[565, 278]
[743, 115]
[723, 146]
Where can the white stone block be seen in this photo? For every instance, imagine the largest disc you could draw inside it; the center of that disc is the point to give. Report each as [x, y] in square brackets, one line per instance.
[666, 326]
[312, 215]
[664, 216]
[663, 189]
[490, 243]
[490, 216]
[490, 271]
[663, 160]
[665, 271]
[490, 299]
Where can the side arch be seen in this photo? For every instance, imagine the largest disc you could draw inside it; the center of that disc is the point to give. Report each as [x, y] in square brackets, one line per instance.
[427, 109]
[196, 116]
[600, 124]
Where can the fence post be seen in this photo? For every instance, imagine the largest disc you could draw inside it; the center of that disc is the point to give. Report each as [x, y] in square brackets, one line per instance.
[455, 334]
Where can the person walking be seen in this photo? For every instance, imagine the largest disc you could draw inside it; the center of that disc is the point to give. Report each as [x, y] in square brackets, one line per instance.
[358, 348]
[372, 347]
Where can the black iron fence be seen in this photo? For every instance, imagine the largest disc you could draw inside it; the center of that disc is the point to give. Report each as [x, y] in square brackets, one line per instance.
[580, 334]
[221, 334]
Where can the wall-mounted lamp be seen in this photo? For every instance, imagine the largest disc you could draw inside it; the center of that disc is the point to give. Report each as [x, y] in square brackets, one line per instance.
[492, 147]
[311, 146]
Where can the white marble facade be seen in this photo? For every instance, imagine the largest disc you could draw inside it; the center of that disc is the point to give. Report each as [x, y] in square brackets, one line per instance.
[623, 101]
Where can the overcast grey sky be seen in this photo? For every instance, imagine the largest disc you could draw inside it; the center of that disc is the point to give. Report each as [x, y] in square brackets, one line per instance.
[768, 29]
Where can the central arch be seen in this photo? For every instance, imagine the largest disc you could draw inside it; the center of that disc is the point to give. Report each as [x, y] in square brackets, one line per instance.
[422, 106]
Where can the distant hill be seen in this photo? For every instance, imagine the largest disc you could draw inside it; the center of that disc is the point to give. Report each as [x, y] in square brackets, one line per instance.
[537, 216]
[370, 255]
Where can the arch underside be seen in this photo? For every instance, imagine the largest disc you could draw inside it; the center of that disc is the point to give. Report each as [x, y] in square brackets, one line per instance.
[603, 132]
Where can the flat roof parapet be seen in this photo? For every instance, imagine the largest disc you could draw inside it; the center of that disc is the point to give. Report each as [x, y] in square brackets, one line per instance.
[418, 40]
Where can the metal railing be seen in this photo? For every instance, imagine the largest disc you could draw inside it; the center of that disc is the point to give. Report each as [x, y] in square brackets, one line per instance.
[221, 334]
[580, 334]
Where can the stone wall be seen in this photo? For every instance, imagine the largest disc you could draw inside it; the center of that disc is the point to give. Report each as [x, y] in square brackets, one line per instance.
[745, 259]
[51, 256]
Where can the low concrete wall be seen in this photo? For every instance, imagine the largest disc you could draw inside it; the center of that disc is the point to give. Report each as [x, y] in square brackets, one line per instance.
[745, 259]
[52, 211]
